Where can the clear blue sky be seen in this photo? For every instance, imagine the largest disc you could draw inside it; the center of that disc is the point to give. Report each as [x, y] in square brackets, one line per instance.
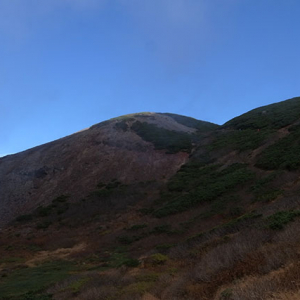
[68, 64]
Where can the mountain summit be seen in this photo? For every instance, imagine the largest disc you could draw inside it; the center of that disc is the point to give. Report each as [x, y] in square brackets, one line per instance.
[129, 149]
[156, 206]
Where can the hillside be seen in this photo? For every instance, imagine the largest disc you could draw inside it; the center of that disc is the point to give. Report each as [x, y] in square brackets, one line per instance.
[122, 149]
[156, 206]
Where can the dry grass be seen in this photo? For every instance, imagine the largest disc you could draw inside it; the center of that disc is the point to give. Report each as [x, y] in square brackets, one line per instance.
[57, 254]
[270, 286]
[286, 296]
[226, 255]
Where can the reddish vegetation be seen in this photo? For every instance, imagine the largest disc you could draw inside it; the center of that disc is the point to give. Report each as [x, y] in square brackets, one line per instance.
[100, 189]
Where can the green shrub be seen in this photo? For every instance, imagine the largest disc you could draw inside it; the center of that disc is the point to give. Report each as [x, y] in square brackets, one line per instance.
[62, 208]
[272, 116]
[158, 259]
[118, 259]
[102, 193]
[281, 218]
[268, 195]
[27, 283]
[240, 140]
[261, 183]
[161, 229]
[78, 285]
[127, 240]
[122, 125]
[11, 260]
[105, 190]
[206, 184]
[60, 199]
[44, 211]
[226, 294]
[24, 218]
[146, 211]
[284, 154]
[137, 227]
[151, 277]
[131, 262]
[172, 141]
[59, 206]
[43, 225]
[241, 219]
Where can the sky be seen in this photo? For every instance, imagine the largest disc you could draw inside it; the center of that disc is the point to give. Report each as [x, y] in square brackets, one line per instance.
[68, 64]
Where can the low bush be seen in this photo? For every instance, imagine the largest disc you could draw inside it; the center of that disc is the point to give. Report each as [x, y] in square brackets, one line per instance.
[29, 282]
[161, 138]
[24, 218]
[158, 259]
[122, 125]
[161, 229]
[137, 227]
[241, 140]
[131, 262]
[76, 286]
[281, 218]
[150, 277]
[206, 185]
[284, 154]
[164, 247]
[43, 225]
[226, 294]
[272, 116]
[268, 195]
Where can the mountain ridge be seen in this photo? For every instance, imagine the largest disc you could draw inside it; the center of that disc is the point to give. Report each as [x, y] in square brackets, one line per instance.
[145, 207]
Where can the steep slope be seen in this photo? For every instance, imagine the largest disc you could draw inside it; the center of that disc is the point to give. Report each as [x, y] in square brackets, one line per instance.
[274, 116]
[129, 149]
[217, 218]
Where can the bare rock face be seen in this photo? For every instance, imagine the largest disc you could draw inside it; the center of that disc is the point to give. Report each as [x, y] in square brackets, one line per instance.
[75, 164]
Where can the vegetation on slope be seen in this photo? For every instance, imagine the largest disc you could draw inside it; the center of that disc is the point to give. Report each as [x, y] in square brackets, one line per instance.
[241, 140]
[193, 185]
[28, 282]
[216, 231]
[283, 154]
[272, 116]
[161, 138]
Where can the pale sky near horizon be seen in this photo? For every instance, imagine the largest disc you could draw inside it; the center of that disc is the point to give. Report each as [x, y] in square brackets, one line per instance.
[68, 64]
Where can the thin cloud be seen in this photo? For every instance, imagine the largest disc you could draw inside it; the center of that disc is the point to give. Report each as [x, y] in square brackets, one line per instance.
[17, 16]
[177, 30]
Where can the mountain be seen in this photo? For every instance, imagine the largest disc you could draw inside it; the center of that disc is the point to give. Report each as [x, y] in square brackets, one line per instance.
[156, 206]
[129, 149]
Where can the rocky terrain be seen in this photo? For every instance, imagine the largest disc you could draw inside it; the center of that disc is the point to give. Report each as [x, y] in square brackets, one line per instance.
[156, 206]
[76, 164]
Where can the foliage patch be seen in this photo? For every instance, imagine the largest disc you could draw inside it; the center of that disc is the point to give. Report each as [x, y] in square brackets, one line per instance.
[161, 138]
[284, 154]
[202, 185]
[33, 280]
[272, 116]
[241, 140]
[281, 218]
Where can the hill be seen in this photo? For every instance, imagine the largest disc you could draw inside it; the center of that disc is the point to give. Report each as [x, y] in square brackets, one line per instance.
[156, 206]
